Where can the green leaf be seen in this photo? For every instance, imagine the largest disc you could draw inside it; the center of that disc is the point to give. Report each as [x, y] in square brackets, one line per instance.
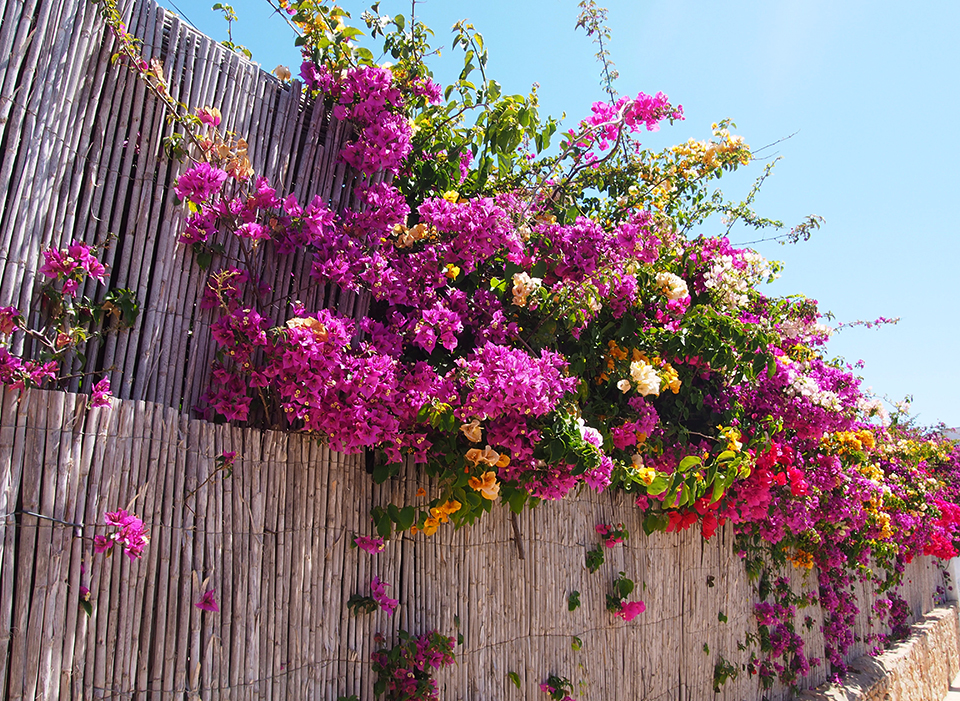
[688, 462]
[123, 304]
[573, 601]
[557, 450]
[203, 256]
[576, 643]
[726, 455]
[655, 522]
[718, 490]
[515, 678]
[87, 607]
[384, 526]
[658, 486]
[381, 473]
[517, 500]
[405, 518]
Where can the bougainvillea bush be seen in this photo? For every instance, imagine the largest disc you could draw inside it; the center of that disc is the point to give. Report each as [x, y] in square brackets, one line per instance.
[545, 320]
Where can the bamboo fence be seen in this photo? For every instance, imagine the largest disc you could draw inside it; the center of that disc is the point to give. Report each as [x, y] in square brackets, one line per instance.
[273, 540]
[81, 158]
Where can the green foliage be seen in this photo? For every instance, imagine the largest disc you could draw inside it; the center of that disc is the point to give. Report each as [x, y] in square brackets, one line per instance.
[230, 15]
[595, 558]
[360, 605]
[723, 671]
[573, 601]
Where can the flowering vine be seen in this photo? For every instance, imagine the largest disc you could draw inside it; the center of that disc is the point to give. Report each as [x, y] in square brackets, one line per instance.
[541, 323]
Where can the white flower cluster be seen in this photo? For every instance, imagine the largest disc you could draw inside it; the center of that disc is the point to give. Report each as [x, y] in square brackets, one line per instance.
[873, 406]
[802, 385]
[523, 286]
[731, 283]
[672, 286]
[646, 378]
[803, 332]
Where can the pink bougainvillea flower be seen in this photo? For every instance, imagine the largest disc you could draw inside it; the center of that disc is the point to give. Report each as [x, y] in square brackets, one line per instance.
[208, 602]
[370, 544]
[379, 589]
[631, 609]
[132, 535]
[209, 115]
[101, 393]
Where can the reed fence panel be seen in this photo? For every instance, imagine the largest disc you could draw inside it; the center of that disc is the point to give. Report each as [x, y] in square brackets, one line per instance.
[273, 540]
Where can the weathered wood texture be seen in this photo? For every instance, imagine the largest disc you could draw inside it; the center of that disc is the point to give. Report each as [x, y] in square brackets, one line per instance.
[81, 158]
[274, 542]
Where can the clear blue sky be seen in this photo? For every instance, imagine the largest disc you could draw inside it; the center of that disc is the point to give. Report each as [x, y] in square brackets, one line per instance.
[872, 91]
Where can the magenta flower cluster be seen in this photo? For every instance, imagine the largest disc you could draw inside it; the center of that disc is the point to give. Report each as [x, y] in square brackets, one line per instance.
[406, 671]
[131, 535]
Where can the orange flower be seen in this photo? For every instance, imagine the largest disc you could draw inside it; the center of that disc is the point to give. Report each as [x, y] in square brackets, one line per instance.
[430, 526]
[487, 456]
[421, 492]
[487, 485]
[315, 325]
[472, 431]
[442, 512]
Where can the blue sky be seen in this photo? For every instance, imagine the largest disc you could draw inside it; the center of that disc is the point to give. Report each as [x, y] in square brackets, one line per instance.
[871, 92]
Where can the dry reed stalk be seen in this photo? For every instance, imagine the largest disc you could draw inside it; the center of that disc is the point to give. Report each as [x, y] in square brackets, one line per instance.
[41, 594]
[20, 643]
[12, 444]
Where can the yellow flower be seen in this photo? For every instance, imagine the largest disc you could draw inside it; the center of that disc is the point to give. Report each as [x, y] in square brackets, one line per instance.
[442, 512]
[732, 437]
[487, 485]
[646, 475]
[487, 456]
[451, 506]
[451, 196]
[670, 378]
[451, 271]
[616, 351]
